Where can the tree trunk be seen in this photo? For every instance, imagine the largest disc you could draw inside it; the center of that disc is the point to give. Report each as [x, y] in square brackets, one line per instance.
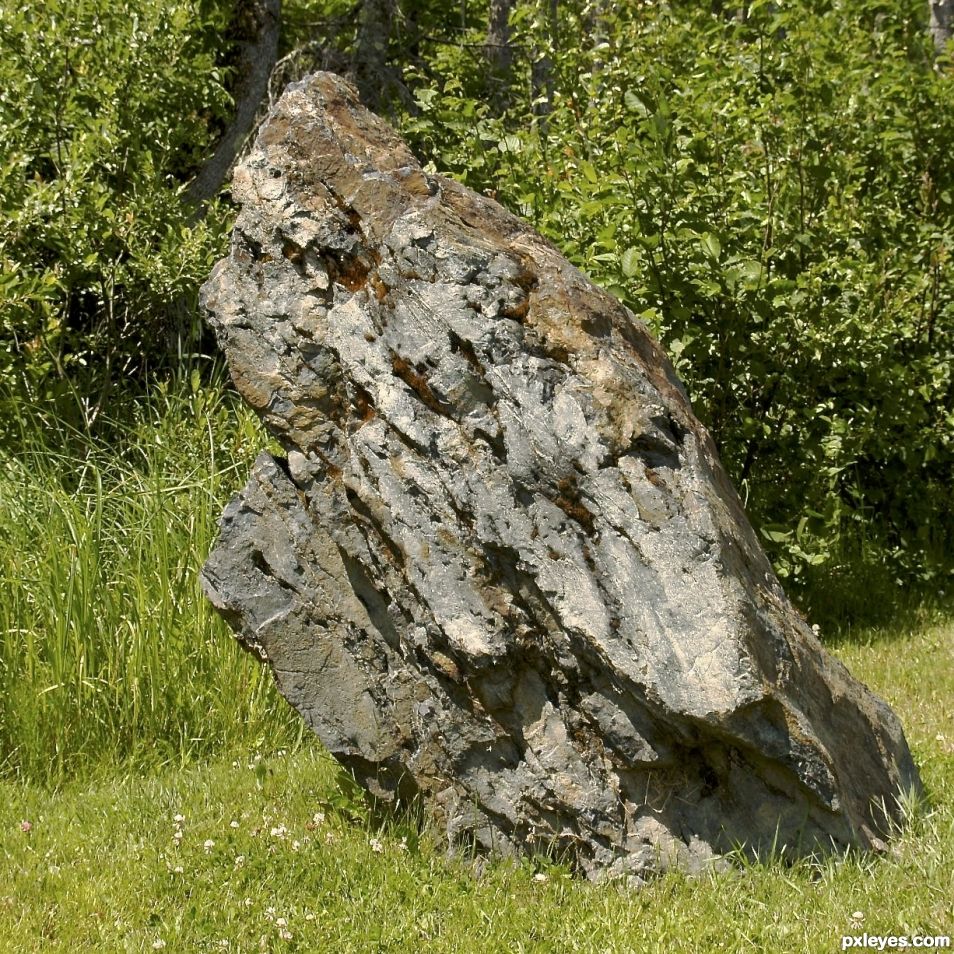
[258, 23]
[541, 72]
[499, 52]
[942, 20]
[369, 65]
[599, 34]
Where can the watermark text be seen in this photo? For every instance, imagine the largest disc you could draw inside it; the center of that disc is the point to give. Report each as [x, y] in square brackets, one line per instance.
[884, 942]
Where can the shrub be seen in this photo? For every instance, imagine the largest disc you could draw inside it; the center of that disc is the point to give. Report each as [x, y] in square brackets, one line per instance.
[106, 107]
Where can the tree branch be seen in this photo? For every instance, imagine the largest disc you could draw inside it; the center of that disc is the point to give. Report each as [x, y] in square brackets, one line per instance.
[259, 24]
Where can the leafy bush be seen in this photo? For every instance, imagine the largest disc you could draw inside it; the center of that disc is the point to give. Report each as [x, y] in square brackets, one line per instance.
[773, 194]
[769, 187]
[106, 106]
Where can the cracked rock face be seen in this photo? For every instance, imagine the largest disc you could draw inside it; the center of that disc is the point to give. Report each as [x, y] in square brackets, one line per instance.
[501, 568]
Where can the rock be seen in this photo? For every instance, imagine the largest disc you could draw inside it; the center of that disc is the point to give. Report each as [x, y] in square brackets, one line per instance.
[502, 569]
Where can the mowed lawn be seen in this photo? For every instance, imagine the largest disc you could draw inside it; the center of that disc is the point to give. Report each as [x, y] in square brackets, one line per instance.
[270, 852]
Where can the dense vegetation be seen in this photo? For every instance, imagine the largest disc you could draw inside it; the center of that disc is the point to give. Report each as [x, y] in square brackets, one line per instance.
[770, 189]
[108, 651]
[106, 109]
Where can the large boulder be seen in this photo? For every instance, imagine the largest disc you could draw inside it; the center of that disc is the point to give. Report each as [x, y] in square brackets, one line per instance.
[502, 568]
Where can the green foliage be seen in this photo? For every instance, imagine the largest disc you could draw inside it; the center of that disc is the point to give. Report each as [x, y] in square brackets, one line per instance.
[773, 194]
[106, 107]
[108, 650]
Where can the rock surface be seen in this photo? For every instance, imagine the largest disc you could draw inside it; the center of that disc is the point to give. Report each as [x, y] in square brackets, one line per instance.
[502, 567]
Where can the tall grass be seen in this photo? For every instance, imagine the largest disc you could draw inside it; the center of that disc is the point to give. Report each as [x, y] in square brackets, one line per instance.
[108, 650]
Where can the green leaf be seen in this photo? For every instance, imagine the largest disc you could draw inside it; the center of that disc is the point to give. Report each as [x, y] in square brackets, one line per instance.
[630, 260]
[750, 272]
[711, 246]
[634, 103]
[776, 536]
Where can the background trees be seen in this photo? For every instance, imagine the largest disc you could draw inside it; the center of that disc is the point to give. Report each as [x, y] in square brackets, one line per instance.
[768, 186]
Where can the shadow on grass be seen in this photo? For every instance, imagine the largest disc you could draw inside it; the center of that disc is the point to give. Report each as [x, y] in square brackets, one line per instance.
[865, 601]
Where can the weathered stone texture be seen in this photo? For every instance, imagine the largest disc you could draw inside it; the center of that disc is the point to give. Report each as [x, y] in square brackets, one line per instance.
[502, 567]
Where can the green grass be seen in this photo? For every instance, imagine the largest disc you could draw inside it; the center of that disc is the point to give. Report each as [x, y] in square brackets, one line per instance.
[125, 703]
[108, 651]
[99, 869]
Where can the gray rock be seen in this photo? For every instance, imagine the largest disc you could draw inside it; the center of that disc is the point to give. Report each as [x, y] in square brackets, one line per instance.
[502, 568]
